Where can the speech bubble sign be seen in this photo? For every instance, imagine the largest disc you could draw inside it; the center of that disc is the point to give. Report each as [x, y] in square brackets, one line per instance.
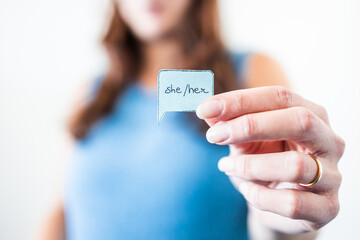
[183, 90]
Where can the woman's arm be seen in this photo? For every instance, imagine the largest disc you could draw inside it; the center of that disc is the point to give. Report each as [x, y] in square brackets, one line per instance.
[54, 224]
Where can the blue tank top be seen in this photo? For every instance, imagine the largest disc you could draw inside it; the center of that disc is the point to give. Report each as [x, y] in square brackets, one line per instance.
[133, 179]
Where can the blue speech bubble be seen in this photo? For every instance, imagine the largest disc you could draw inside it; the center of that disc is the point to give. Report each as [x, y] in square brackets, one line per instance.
[183, 90]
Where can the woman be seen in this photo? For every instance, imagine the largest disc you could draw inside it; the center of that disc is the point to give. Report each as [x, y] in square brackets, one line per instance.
[132, 179]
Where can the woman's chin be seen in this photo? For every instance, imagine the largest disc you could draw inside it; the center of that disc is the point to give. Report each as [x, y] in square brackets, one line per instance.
[152, 38]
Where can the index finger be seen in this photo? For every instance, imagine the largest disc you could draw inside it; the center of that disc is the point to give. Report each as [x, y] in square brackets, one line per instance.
[229, 105]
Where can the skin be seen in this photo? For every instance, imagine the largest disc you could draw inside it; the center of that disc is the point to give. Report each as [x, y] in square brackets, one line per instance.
[156, 25]
[270, 131]
[153, 20]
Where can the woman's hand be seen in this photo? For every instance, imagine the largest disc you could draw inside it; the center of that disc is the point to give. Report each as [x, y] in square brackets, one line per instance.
[271, 132]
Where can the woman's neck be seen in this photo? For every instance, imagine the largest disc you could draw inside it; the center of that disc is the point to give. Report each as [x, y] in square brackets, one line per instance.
[164, 54]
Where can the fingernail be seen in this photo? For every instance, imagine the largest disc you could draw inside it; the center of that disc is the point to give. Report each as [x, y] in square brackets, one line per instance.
[218, 133]
[244, 187]
[210, 109]
[226, 165]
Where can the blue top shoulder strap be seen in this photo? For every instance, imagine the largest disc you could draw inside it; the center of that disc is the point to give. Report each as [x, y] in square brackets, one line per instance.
[240, 62]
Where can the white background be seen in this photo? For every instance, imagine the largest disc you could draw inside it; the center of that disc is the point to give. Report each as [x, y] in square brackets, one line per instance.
[47, 48]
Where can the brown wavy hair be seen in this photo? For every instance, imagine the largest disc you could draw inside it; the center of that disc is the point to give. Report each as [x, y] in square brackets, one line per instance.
[202, 48]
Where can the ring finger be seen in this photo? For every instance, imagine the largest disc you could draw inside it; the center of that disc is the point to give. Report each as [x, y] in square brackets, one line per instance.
[291, 166]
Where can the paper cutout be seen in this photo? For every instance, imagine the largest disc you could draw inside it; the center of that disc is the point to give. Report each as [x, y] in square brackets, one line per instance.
[183, 90]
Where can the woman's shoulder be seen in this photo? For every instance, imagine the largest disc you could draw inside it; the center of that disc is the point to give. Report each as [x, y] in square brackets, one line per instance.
[258, 69]
[265, 71]
[83, 93]
[94, 85]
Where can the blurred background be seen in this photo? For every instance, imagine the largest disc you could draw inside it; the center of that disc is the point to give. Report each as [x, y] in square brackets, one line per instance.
[48, 48]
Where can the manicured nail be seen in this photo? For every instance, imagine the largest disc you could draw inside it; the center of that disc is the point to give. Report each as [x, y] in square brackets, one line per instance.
[226, 165]
[210, 109]
[218, 133]
[244, 187]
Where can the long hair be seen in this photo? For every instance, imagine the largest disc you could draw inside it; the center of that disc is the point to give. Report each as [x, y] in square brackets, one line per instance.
[202, 47]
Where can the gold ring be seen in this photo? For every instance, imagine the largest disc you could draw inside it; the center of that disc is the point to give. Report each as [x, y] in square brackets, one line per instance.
[318, 174]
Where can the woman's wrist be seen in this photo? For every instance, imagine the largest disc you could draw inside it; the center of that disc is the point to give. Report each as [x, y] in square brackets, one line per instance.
[258, 230]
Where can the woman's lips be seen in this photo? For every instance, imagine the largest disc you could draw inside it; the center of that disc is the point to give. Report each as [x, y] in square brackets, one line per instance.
[155, 8]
